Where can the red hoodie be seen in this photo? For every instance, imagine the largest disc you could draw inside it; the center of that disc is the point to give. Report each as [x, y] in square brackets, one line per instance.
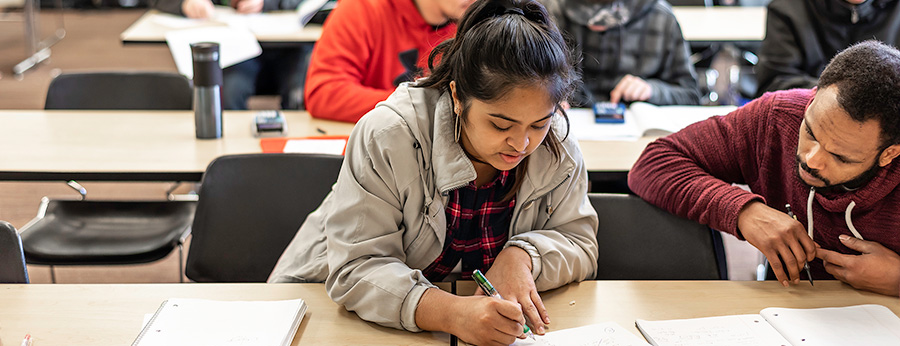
[356, 61]
[690, 173]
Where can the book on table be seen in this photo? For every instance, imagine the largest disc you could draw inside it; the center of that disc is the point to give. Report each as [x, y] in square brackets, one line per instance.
[182, 321]
[641, 119]
[869, 325]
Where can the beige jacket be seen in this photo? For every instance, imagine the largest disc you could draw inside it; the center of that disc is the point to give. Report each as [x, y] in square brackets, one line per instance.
[384, 219]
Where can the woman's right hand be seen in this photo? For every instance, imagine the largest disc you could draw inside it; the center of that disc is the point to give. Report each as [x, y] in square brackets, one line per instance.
[476, 320]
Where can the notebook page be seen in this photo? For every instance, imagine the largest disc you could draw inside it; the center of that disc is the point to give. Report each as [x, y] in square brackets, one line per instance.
[605, 334]
[853, 325]
[235, 45]
[734, 330]
[207, 322]
[662, 120]
[583, 127]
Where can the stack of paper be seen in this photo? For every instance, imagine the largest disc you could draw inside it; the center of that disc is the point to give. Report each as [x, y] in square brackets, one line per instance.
[210, 322]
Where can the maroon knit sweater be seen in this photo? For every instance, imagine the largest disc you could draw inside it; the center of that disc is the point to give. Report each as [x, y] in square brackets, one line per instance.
[690, 173]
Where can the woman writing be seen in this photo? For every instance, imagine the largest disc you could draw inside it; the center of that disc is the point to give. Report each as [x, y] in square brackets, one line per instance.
[470, 168]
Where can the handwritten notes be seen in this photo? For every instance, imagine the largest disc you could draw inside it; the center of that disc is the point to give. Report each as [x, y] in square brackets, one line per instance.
[603, 334]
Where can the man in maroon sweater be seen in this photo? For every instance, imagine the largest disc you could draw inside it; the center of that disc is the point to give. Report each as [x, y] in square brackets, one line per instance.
[828, 152]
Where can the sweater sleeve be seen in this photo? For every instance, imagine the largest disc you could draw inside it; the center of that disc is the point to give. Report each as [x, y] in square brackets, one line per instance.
[690, 173]
[780, 57]
[677, 82]
[334, 88]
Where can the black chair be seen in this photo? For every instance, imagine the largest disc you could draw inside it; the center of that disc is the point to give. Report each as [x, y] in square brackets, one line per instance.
[83, 232]
[12, 261]
[120, 90]
[97, 232]
[250, 208]
[641, 242]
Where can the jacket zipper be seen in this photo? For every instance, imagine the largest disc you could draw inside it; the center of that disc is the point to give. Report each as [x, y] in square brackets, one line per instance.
[515, 220]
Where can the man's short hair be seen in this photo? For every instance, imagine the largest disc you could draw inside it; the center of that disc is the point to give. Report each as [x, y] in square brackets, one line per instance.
[867, 75]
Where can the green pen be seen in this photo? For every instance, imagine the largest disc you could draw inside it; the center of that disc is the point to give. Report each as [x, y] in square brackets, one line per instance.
[490, 291]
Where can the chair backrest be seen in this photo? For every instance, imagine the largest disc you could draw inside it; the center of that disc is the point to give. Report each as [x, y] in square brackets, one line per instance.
[639, 241]
[12, 259]
[705, 3]
[120, 90]
[250, 208]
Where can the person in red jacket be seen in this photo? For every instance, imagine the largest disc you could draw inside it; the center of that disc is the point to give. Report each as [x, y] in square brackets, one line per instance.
[368, 47]
[828, 152]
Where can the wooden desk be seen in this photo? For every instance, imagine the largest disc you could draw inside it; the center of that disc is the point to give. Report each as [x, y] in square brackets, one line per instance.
[721, 23]
[625, 301]
[160, 145]
[128, 145]
[148, 30]
[97, 315]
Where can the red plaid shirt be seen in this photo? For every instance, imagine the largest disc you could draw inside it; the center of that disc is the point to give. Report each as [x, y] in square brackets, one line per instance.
[477, 227]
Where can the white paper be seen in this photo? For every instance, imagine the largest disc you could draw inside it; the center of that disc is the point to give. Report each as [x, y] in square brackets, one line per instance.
[235, 45]
[641, 119]
[308, 9]
[273, 23]
[671, 119]
[207, 322]
[316, 146]
[735, 330]
[583, 127]
[852, 325]
[177, 22]
[606, 334]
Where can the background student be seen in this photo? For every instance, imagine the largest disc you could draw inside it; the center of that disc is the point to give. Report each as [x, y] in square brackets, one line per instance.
[468, 169]
[369, 47]
[280, 68]
[632, 50]
[803, 35]
[830, 152]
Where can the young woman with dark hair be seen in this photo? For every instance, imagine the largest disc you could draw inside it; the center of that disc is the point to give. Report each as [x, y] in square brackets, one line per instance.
[470, 168]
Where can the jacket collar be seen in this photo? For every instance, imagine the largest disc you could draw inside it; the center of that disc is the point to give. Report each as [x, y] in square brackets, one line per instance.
[452, 168]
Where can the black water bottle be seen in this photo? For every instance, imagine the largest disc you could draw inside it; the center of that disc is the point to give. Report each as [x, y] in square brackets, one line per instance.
[207, 90]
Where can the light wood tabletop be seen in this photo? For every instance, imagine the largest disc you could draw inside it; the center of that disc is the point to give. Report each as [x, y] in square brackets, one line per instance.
[161, 145]
[722, 23]
[98, 315]
[150, 28]
[111, 314]
[129, 145]
[592, 302]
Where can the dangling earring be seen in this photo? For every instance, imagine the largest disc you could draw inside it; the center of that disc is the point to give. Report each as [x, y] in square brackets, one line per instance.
[456, 132]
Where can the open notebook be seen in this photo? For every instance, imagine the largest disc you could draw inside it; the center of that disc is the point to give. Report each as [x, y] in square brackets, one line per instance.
[211, 322]
[601, 334]
[870, 325]
[641, 119]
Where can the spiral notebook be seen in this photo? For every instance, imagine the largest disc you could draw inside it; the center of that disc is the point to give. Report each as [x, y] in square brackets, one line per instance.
[198, 322]
[870, 325]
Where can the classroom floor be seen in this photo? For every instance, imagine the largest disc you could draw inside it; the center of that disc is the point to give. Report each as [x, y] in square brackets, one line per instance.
[92, 43]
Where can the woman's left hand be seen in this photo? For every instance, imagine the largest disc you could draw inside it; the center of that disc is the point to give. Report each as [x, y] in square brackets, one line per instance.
[511, 276]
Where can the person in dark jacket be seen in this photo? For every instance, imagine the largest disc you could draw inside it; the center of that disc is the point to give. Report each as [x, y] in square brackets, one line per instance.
[280, 69]
[803, 35]
[633, 50]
